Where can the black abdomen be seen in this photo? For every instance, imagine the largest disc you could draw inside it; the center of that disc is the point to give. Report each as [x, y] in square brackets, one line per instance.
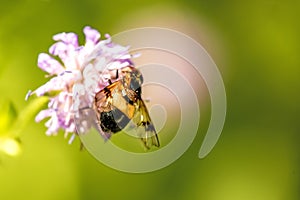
[113, 121]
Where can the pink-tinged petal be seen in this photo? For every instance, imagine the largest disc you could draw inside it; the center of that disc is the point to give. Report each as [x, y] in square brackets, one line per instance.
[54, 84]
[57, 83]
[49, 64]
[91, 35]
[124, 64]
[52, 124]
[42, 115]
[136, 55]
[66, 53]
[28, 95]
[91, 83]
[89, 71]
[71, 139]
[58, 49]
[69, 117]
[125, 57]
[91, 55]
[69, 78]
[41, 90]
[100, 64]
[62, 97]
[67, 38]
[67, 43]
[117, 50]
[107, 36]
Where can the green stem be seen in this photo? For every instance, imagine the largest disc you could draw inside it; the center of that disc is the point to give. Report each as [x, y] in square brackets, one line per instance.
[27, 114]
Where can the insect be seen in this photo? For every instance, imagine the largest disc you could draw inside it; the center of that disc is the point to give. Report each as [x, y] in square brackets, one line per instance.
[120, 103]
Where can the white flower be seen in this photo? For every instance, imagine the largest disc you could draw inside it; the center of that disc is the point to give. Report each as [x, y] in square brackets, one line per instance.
[79, 71]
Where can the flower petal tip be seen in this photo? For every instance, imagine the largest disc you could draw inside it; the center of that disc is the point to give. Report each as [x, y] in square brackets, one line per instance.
[28, 95]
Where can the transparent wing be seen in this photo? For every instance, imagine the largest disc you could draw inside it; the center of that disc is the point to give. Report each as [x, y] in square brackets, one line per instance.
[142, 119]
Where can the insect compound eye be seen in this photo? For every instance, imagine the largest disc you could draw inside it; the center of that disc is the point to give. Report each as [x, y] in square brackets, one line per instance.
[138, 91]
[141, 79]
[138, 76]
[135, 84]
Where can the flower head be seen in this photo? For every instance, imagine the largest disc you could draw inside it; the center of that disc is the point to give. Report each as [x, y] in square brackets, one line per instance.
[77, 73]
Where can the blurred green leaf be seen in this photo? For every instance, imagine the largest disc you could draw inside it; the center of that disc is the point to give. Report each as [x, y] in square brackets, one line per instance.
[8, 114]
[11, 123]
[9, 146]
[27, 114]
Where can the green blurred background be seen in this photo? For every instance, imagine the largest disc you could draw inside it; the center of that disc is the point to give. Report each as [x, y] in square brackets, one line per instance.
[255, 45]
